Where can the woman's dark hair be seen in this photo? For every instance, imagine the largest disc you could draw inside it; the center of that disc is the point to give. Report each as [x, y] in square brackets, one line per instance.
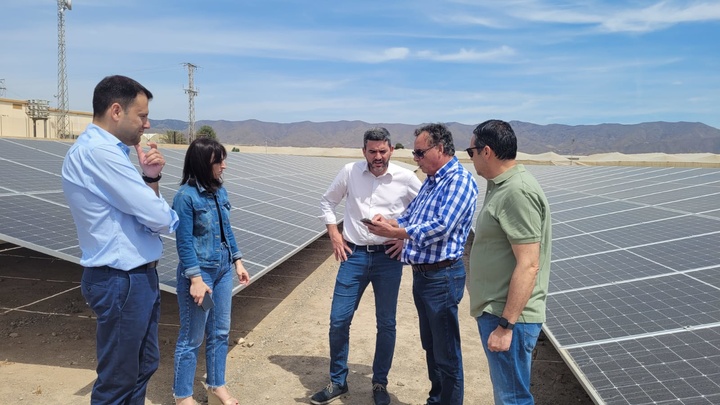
[201, 155]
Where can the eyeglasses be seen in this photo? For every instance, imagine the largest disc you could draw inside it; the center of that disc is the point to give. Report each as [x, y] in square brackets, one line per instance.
[420, 153]
[470, 150]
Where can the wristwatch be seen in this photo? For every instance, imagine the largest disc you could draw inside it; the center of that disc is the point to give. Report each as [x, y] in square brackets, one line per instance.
[505, 324]
[147, 179]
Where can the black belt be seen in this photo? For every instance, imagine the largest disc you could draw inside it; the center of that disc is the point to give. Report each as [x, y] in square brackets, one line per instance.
[148, 266]
[368, 248]
[143, 267]
[434, 266]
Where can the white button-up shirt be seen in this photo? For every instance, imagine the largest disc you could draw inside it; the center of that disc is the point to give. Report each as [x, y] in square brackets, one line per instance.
[367, 195]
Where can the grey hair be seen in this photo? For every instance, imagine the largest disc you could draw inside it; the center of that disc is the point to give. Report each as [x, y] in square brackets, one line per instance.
[439, 135]
[376, 134]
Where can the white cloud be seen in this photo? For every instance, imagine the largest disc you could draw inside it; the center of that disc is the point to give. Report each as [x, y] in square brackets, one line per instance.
[661, 15]
[386, 55]
[469, 55]
[613, 17]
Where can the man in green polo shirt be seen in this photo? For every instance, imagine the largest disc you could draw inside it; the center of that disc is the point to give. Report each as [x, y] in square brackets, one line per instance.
[509, 261]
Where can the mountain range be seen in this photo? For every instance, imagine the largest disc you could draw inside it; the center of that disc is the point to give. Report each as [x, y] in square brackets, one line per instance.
[648, 137]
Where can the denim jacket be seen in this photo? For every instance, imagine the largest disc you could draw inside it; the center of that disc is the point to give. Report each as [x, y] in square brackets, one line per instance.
[197, 237]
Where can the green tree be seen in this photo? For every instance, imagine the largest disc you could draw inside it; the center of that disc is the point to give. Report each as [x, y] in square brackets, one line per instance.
[207, 131]
[174, 137]
[399, 146]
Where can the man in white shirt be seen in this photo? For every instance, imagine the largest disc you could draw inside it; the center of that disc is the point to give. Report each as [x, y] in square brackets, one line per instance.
[371, 187]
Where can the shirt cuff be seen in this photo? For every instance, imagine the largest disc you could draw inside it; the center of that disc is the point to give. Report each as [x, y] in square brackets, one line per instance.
[192, 272]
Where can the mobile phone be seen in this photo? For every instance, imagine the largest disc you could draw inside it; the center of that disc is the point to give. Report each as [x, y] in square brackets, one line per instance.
[366, 221]
[207, 302]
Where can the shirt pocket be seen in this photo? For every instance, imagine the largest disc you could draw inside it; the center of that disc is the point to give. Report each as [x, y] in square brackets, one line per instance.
[202, 221]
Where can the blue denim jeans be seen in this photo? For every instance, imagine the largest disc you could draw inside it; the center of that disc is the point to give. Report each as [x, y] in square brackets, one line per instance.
[127, 306]
[510, 370]
[354, 275]
[437, 295]
[196, 324]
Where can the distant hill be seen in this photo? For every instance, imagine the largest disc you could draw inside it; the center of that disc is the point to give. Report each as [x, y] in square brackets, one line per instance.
[648, 137]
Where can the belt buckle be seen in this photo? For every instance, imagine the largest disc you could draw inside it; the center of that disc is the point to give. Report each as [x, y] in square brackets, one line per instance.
[371, 248]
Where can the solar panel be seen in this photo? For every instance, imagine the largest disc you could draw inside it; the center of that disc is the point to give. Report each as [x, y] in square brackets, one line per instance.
[634, 303]
[275, 198]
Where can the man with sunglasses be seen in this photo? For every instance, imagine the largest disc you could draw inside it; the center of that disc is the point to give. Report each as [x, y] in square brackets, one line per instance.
[436, 226]
[370, 187]
[509, 261]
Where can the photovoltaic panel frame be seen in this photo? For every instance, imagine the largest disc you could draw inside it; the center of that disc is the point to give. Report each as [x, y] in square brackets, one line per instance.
[275, 199]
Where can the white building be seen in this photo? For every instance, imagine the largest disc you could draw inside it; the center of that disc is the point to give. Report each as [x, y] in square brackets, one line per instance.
[16, 121]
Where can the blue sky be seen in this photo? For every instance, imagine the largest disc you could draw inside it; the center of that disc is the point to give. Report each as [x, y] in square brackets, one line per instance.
[393, 61]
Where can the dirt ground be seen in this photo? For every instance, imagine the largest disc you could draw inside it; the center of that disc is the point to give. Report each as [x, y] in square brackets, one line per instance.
[279, 348]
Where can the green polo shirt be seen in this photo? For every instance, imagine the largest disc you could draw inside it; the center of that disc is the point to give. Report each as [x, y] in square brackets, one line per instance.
[515, 211]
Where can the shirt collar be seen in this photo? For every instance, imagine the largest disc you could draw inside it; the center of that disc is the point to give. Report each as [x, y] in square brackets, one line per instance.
[388, 172]
[108, 137]
[518, 168]
[450, 167]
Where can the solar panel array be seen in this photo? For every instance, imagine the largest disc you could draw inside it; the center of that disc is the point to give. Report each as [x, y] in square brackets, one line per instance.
[634, 303]
[275, 199]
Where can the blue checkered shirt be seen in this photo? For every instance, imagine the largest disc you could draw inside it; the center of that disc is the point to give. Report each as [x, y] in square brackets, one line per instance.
[438, 220]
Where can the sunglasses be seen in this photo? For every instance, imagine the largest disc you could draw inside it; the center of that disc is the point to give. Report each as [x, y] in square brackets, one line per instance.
[420, 153]
[470, 150]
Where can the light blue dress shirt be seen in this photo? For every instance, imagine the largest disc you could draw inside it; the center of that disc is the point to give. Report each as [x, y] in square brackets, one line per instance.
[119, 218]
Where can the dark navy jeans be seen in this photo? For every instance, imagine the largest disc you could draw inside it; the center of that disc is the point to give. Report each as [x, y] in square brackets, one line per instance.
[127, 306]
[360, 269]
[437, 294]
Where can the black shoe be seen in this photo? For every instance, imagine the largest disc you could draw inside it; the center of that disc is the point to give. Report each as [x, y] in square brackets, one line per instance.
[380, 394]
[327, 395]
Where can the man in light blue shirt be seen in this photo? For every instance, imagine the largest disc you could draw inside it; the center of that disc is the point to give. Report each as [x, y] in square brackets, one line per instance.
[119, 215]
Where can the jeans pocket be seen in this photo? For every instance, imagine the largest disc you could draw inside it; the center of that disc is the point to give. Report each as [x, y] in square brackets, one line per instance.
[531, 332]
[458, 283]
[105, 290]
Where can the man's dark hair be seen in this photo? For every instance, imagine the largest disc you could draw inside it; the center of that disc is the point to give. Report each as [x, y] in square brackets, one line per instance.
[439, 135]
[499, 136]
[201, 155]
[376, 134]
[116, 89]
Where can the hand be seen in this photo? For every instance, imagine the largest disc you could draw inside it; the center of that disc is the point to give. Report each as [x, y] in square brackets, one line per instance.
[381, 227]
[198, 288]
[500, 339]
[340, 247]
[242, 274]
[394, 248]
[151, 162]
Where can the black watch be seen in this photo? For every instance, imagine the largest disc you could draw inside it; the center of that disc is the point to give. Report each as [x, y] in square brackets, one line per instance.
[505, 324]
[147, 179]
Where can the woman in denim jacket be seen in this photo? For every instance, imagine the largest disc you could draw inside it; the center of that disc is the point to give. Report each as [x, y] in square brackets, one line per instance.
[208, 254]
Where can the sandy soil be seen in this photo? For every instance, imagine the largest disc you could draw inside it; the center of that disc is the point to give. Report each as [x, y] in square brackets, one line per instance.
[279, 353]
